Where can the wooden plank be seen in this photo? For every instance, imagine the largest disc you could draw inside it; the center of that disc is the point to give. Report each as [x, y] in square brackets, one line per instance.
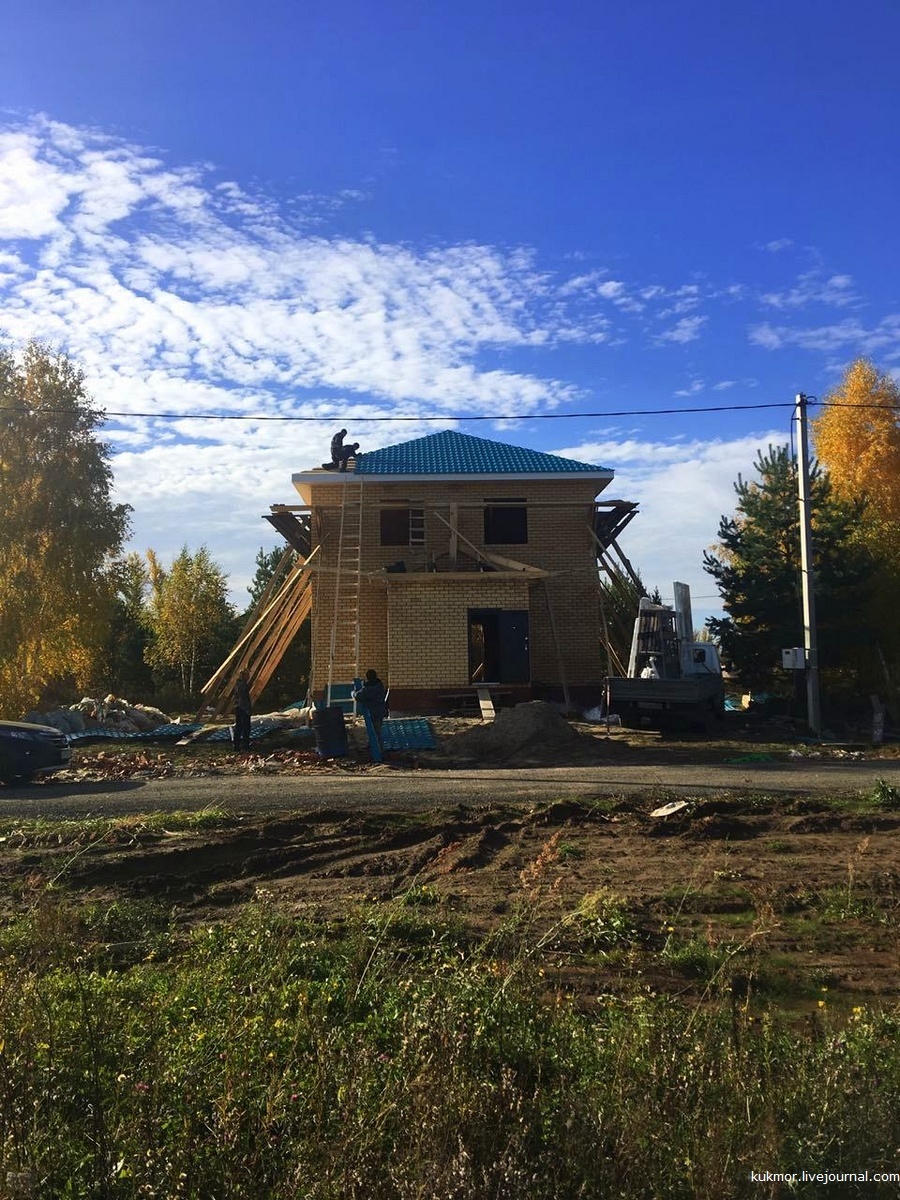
[485, 703]
[262, 646]
[454, 536]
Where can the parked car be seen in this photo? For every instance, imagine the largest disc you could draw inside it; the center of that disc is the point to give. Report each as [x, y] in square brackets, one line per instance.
[28, 750]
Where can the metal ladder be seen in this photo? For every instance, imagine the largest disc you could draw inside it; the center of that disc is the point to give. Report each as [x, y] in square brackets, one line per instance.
[343, 653]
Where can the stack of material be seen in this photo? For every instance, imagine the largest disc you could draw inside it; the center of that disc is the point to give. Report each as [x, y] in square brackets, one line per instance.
[270, 629]
[111, 712]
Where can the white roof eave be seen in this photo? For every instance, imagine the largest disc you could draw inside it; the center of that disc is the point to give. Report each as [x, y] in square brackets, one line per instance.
[304, 480]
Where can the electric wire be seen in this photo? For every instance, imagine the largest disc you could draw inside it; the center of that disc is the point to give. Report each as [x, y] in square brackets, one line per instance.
[122, 414]
[560, 416]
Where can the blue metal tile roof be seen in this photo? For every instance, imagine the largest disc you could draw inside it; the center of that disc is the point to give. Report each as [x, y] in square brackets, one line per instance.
[451, 453]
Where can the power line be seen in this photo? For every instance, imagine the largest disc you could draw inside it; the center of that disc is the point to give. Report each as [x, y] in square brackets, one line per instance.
[555, 416]
[562, 416]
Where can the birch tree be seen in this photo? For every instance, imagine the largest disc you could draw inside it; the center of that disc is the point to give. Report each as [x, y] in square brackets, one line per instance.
[189, 616]
[59, 528]
[857, 440]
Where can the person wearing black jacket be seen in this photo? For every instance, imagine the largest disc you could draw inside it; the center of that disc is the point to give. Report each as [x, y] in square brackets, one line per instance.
[372, 696]
[242, 709]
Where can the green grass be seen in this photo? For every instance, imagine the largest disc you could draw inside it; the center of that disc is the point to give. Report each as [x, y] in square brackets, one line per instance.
[388, 1056]
[16, 833]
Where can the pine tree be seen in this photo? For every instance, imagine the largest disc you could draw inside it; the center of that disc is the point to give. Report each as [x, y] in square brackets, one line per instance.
[756, 567]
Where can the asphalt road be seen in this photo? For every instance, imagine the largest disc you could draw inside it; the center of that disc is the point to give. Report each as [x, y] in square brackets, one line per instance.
[387, 787]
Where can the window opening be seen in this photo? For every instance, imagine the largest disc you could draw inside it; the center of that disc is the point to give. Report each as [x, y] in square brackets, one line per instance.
[505, 522]
[402, 525]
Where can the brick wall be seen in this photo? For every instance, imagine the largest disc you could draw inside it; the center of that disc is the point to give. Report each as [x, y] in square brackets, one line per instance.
[415, 634]
[428, 628]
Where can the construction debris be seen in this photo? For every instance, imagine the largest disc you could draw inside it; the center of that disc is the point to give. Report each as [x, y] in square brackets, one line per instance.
[670, 809]
[111, 712]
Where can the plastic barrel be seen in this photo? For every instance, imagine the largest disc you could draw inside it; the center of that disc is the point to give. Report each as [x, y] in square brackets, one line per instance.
[330, 732]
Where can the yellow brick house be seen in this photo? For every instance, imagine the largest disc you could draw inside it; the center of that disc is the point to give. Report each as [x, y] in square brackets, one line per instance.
[450, 562]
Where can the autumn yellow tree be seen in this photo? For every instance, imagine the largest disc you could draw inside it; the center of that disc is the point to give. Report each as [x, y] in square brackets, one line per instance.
[190, 617]
[59, 527]
[857, 440]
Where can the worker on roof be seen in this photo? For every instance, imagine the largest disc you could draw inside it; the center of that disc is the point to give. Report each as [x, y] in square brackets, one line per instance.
[337, 447]
[341, 454]
[347, 453]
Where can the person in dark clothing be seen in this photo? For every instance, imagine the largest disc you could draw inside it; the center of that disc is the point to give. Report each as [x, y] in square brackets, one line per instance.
[337, 447]
[341, 454]
[347, 452]
[372, 696]
[242, 709]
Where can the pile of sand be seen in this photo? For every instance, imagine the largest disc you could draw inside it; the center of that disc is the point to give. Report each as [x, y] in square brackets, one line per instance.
[529, 732]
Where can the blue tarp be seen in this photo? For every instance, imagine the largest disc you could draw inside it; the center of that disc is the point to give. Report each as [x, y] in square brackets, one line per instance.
[161, 733]
[407, 733]
[258, 729]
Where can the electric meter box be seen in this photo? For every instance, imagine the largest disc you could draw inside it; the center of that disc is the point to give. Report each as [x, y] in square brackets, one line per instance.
[794, 659]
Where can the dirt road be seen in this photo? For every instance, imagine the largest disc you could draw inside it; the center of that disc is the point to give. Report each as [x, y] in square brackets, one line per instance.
[400, 788]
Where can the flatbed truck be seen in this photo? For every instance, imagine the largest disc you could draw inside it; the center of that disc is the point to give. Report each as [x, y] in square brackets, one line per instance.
[672, 680]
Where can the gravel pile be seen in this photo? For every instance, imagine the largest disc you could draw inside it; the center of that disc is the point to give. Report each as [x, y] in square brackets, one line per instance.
[532, 732]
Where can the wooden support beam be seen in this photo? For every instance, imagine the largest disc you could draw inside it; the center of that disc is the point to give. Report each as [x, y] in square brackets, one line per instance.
[567, 699]
[454, 536]
[248, 639]
[262, 645]
[495, 560]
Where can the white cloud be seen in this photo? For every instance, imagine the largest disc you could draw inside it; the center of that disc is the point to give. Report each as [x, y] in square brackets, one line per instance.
[683, 490]
[137, 269]
[695, 386]
[685, 330]
[844, 336]
[813, 288]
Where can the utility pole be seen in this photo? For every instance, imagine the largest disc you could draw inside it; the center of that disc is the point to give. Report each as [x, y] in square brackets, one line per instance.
[810, 642]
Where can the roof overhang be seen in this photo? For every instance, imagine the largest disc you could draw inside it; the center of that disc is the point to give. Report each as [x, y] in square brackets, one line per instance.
[303, 481]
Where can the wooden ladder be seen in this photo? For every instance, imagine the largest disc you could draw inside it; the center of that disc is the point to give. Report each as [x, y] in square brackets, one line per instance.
[343, 652]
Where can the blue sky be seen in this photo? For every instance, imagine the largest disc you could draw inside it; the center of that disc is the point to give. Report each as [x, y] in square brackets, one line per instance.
[517, 210]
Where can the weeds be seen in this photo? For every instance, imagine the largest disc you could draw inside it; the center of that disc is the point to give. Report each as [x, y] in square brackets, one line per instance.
[601, 922]
[885, 795]
[392, 1054]
[273, 1058]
